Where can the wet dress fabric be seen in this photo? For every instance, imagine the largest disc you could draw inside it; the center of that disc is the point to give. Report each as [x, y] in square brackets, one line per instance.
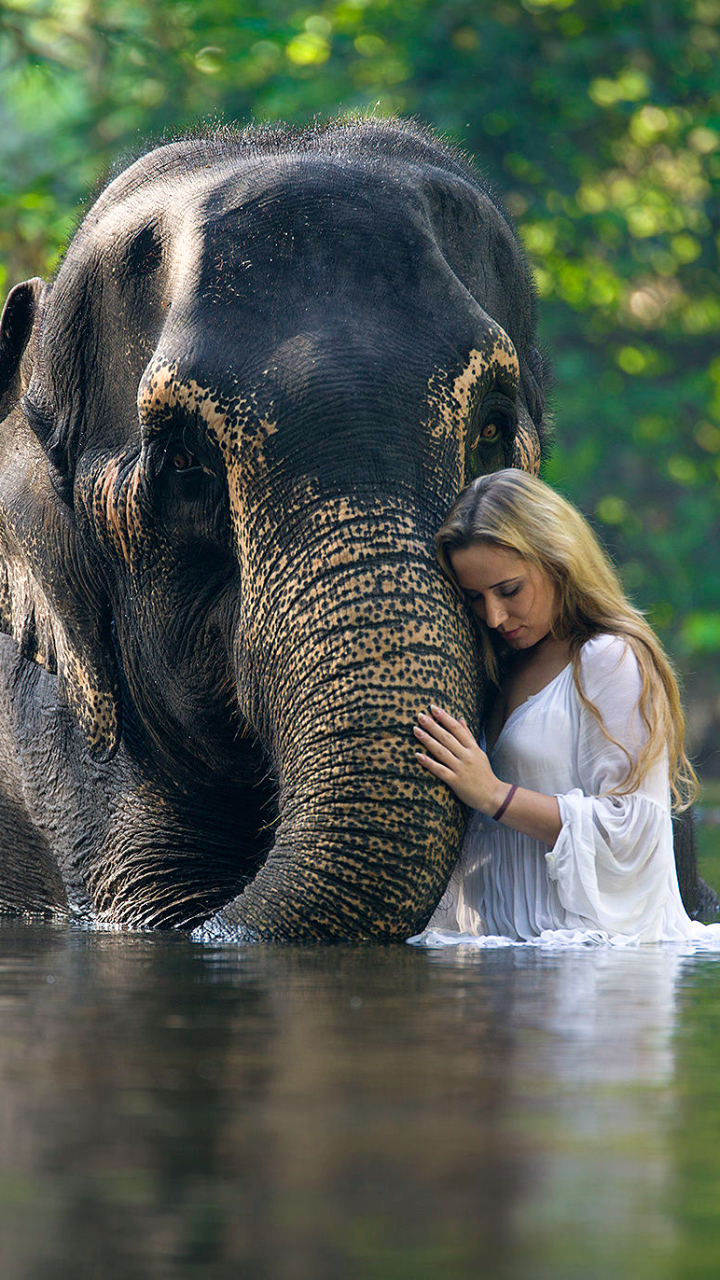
[610, 876]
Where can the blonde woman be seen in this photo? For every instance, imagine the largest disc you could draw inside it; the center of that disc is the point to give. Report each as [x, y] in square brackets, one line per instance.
[571, 839]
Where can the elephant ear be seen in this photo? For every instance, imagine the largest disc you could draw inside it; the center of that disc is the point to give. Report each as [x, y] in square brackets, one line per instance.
[51, 600]
[17, 334]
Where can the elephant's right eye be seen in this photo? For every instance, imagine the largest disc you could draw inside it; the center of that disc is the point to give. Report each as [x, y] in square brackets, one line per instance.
[182, 460]
[184, 465]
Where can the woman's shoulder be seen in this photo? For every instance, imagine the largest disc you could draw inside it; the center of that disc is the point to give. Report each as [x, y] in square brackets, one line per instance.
[609, 659]
[605, 647]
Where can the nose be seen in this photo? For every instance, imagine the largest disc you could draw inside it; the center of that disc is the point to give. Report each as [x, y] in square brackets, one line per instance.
[496, 613]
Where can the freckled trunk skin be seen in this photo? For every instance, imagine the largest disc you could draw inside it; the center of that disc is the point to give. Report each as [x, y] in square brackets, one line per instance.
[354, 630]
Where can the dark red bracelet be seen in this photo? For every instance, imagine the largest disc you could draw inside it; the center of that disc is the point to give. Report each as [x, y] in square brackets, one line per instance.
[497, 816]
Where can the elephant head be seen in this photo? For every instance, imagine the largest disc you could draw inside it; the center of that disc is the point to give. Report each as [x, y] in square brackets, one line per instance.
[268, 363]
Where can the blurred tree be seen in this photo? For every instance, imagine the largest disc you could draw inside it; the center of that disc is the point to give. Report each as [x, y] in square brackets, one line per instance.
[597, 120]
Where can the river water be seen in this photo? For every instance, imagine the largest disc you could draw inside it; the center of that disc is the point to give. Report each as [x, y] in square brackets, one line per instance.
[172, 1110]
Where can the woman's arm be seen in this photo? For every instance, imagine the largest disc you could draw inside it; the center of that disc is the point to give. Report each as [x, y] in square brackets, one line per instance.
[451, 754]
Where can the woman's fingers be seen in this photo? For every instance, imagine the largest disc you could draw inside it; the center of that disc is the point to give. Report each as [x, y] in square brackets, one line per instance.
[439, 733]
[458, 728]
[438, 749]
[434, 767]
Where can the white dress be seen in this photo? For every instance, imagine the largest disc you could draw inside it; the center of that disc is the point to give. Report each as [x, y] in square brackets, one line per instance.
[610, 877]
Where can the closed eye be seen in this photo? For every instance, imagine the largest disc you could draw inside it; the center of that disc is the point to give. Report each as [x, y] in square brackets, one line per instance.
[472, 598]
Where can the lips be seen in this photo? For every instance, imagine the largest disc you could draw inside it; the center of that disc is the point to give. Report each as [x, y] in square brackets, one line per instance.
[510, 635]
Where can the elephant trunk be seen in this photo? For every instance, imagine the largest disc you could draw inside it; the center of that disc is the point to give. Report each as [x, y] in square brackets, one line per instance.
[368, 633]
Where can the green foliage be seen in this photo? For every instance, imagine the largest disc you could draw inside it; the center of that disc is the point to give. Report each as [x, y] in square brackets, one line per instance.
[598, 121]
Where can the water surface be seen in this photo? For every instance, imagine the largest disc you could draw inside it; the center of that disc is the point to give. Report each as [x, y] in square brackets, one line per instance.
[170, 1110]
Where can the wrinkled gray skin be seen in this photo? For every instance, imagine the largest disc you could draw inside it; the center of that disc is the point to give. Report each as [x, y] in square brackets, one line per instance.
[228, 432]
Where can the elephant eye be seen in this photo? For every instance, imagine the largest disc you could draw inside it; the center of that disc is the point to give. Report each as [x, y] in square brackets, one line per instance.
[181, 460]
[188, 459]
[491, 433]
[496, 419]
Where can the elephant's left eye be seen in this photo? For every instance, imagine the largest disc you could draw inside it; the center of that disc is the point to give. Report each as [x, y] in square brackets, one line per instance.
[491, 433]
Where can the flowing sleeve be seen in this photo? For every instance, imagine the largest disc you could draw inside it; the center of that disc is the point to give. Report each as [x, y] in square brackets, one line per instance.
[613, 862]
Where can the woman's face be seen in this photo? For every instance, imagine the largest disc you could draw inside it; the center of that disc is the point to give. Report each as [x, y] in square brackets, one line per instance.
[511, 596]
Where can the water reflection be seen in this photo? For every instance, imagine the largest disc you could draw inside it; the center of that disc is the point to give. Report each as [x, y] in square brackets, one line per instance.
[169, 1110]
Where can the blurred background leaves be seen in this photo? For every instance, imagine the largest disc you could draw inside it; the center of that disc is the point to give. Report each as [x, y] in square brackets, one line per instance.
[598, 121]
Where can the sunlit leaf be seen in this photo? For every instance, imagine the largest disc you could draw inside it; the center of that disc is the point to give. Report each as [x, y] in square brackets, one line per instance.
[308, 49]
[700, 633]
[611, 509]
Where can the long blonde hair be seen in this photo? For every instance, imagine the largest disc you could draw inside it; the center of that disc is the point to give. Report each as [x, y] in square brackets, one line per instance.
[515, 510]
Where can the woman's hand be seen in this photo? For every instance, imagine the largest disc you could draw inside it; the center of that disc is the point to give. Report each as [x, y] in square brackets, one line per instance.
[451, 753]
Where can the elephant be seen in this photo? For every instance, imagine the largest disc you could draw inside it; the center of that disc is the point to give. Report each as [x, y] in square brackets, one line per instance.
[229, 428]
